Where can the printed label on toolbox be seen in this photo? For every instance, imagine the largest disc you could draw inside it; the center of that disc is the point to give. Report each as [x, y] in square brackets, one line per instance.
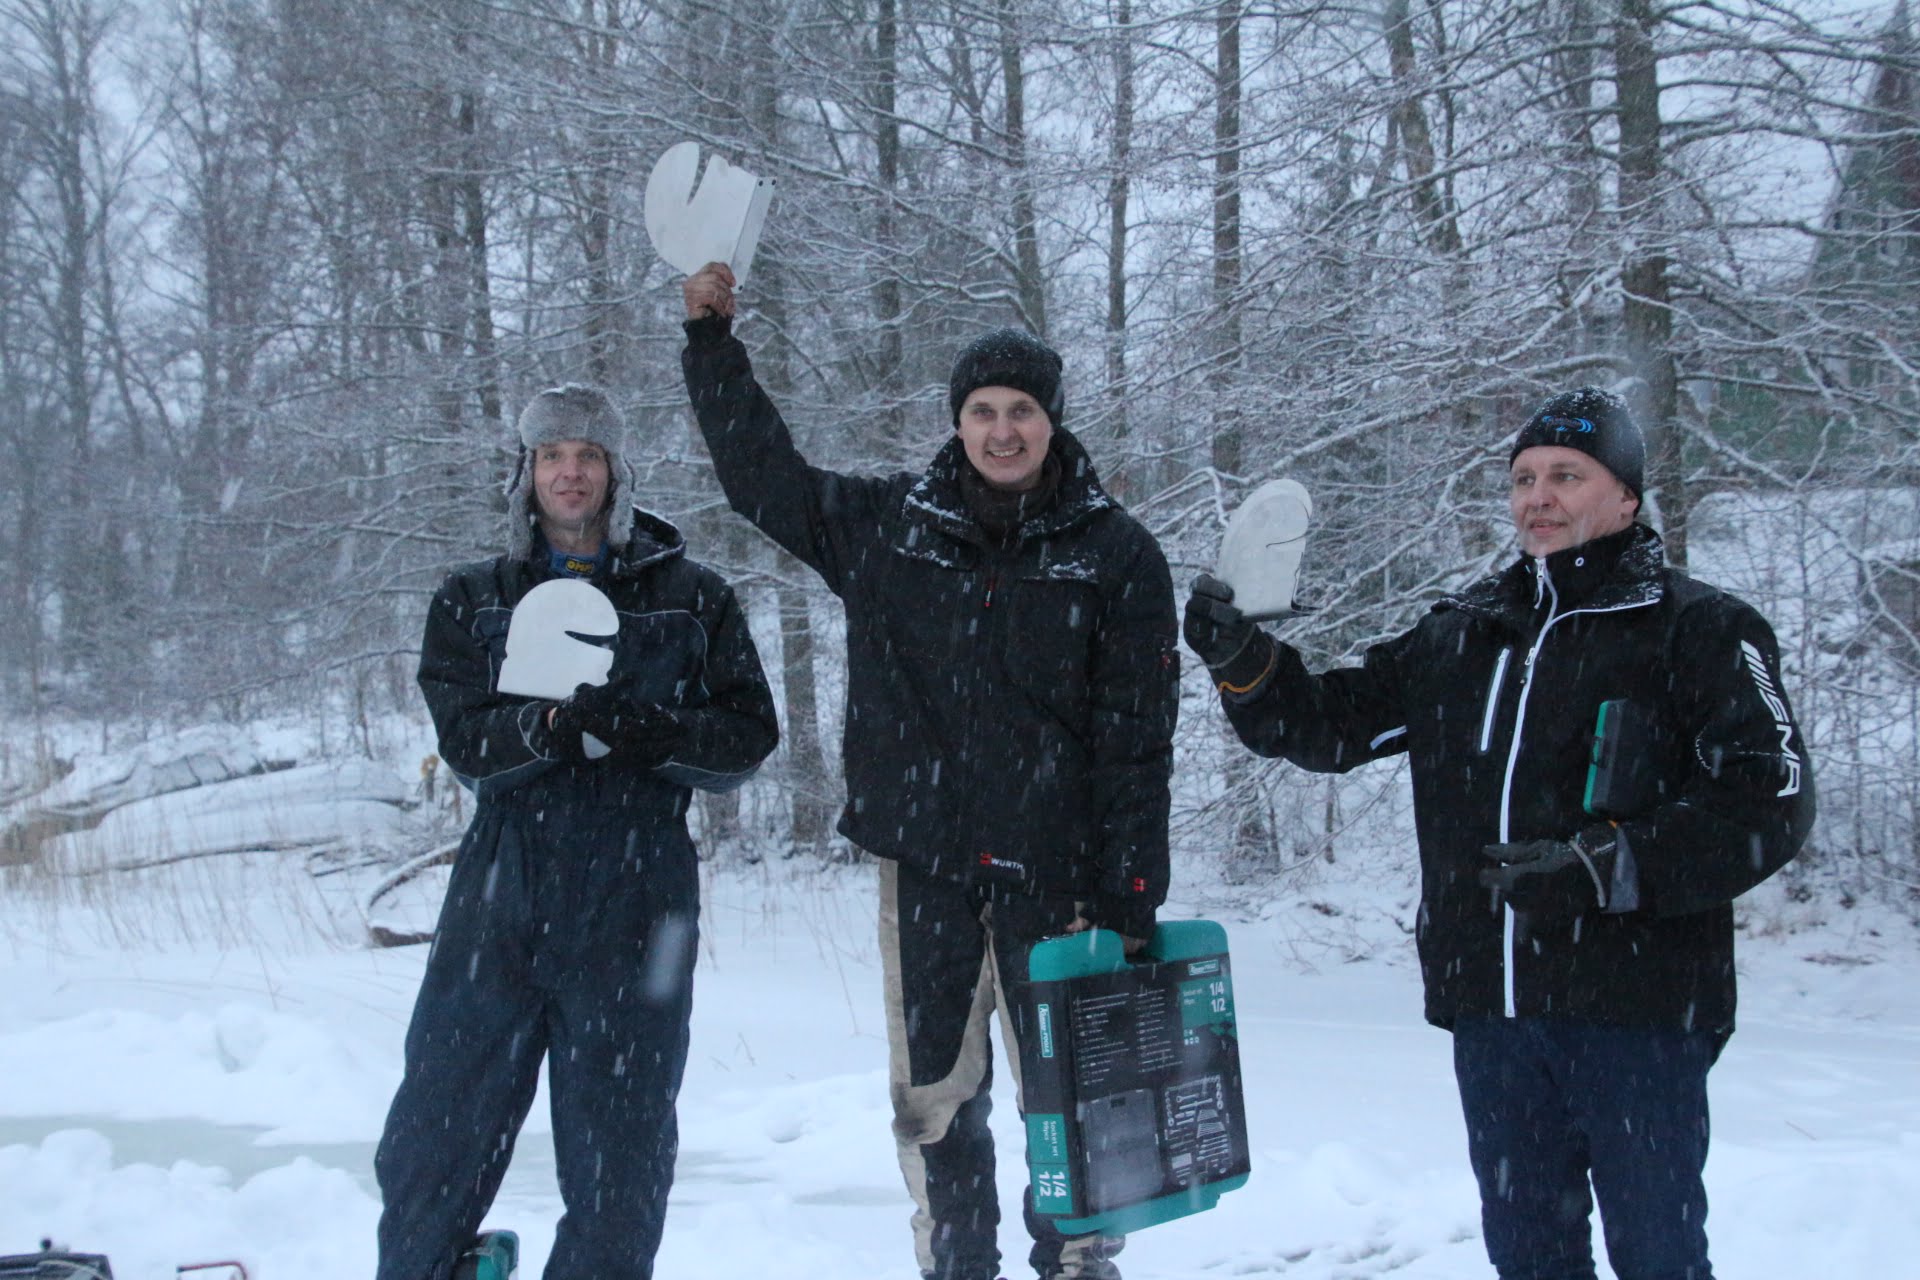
[1049, 1163]
[1047, 1138]
[1206, 1002]
[1118, 1035]
[1199, 1141]
[1052, 1189]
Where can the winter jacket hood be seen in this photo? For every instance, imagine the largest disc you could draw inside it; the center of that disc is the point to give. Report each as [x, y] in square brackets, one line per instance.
[1078, 497]
[1620, 571]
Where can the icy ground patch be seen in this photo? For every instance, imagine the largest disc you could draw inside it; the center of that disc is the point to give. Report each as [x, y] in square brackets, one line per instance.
[165, 1102]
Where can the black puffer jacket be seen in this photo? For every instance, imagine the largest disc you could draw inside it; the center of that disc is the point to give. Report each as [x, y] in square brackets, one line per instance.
[1010, 711]
[682, 641]
[1494, 697]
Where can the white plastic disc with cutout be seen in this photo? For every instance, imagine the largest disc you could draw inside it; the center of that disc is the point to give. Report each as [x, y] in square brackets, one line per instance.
[550, 649]
[719, 221]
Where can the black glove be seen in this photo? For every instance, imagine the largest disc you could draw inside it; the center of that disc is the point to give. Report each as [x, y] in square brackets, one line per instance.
[642, 733]
[1234, 649]
[559, 732]
[1131, 918]
[1552, 881]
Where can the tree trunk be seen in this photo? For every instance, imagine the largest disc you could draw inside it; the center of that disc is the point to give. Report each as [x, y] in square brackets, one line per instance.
[1119, 192]
[1646, 316]
[1223, 374]
[473, 210]
[596, 203]
[888, 305]
[811, 811]
[1252, 849]
[1430, 206]
[1029, 288]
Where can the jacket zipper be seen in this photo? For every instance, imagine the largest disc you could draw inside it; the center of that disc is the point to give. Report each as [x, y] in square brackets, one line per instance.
[1493, 698]
[993, 580]
[1509, 932]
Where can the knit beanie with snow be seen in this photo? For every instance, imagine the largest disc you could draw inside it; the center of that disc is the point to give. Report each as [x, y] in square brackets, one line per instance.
[570, 412]
[1598, 424]
[1008, 358]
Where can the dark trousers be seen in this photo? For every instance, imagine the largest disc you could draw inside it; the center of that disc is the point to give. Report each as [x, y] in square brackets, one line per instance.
[1555, 1106]
[952, 954]
[604, 995]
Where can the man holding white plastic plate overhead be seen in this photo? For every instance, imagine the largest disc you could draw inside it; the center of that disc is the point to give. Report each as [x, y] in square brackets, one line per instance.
[1012, 686]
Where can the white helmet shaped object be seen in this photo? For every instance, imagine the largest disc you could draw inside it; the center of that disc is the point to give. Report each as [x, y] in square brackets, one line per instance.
[549, 642]
[718, 221]
[548, 654]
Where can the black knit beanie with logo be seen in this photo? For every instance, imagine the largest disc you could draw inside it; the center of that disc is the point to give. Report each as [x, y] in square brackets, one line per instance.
[1008, 358]
[1598, 424]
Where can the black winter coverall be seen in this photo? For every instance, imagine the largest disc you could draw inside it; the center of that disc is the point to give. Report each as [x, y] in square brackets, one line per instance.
[568, 928]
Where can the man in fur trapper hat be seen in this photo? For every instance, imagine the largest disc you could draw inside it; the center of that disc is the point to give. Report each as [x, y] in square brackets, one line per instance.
[569, 923]
[1011, 692]
[572, 459]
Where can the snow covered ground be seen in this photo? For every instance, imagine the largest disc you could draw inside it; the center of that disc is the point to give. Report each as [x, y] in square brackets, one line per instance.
[166, 1101]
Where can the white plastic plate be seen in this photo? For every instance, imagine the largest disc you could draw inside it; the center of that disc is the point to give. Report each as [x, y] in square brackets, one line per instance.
[1260, 554]
[720, 221]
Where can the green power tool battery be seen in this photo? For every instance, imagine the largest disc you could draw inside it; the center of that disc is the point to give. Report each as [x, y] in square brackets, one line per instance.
[1131, 1079]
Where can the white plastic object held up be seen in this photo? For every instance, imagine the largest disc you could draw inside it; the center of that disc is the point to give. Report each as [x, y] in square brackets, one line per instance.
[1260, 554]
[719, 221]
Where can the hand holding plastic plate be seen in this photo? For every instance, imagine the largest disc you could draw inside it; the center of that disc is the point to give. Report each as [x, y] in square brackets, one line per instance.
[718, 222]
[550, 644]
[1260, 554]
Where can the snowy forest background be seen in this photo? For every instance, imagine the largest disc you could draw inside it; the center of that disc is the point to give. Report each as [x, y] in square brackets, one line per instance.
[276, 276]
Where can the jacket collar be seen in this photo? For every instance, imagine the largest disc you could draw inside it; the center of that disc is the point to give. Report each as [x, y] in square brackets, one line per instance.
[1623, 570]
[936, 502]
[653, 541]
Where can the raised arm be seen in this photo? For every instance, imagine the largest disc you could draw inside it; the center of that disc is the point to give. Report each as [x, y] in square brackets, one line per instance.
[1328, 723]
[820, 516]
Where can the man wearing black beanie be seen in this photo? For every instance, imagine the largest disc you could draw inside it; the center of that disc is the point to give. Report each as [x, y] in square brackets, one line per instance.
[1603, 759]
[1011, 691]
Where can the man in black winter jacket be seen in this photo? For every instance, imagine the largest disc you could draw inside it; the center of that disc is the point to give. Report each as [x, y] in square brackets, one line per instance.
[1012, 676]
[1583, 960]
[568, 929]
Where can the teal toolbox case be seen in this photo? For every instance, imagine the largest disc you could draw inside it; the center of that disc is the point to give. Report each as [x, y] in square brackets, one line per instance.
[1131, 1079]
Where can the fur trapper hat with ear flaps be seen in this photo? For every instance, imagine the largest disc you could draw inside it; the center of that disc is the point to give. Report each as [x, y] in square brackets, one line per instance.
[571, 412]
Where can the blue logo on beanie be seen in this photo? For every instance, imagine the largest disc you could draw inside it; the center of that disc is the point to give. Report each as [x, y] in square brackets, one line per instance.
[1556, 423]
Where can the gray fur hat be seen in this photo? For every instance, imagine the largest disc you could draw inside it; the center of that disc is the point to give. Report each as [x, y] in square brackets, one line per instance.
[571, 412]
